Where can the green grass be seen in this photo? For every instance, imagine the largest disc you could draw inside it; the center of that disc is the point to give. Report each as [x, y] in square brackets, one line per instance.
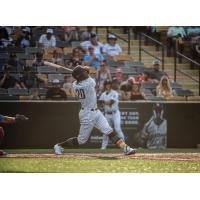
[96, 165]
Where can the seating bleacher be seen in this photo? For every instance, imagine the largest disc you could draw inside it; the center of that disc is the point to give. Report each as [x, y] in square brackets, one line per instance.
[176, 98]
[60, 77]
[75, 43]
[33, 50]
[193, 98]
[3, 91]
[67, 50]
[41, 91]
[46, 69]
[13, 49]
[62, 44]
[18, 91]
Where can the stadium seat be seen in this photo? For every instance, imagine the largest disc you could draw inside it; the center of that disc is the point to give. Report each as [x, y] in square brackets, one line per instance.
[155, 98]
[176, 98]
[48, 56]
[49, 50]
[41, 91]
[3, 91]
[8, 97]
[4, 56]
[51, 77]
[182, 92]
[29, 63]
[67, 56]
[67, 50]
[92, 70]
[62, 44]
[18, 91]
[121, 58]
[193, 98]
[3, 50]
[33, 50]
[75, 43]
[15, 50]
[24, 56]
[112, 63]
[63, 71]
[46, 69]
[149, 85]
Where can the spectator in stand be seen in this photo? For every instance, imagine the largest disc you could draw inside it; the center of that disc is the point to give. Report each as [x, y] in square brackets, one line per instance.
[76, 59]
[136, 94]
[58, 58]
[8, 81]
[92, 42]
[24, 39]
[71, 33]
[119, 74]
[126, 88]
[34, 94]
[111, 48]
[14, 63]
[48, 40]
[164, 89]
[86, 34]
[145, 77]
[38, 61]
[5, 39]
[93, 59]
[156, 74]
[175, 36]
[193, 33]
[102, 75]
[29, 79]
[55, 92]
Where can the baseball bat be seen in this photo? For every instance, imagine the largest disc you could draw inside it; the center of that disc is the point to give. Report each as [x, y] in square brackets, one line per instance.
[56, 66]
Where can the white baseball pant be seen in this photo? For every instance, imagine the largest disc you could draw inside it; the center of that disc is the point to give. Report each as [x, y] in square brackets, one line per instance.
[90, 119]
[114, 121]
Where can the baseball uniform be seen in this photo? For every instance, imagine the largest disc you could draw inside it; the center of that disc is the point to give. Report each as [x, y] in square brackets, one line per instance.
[112, 115]
[89, 115]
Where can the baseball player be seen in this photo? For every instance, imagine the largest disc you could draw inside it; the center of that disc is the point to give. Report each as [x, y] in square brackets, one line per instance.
[110, 102]
[89, 115]
[154, 132]
[8, 120]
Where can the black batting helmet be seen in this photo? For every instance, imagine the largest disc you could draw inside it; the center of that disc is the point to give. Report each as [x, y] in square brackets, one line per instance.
[77, 71]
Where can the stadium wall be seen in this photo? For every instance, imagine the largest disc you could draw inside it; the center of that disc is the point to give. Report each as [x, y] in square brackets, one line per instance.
[52, 122]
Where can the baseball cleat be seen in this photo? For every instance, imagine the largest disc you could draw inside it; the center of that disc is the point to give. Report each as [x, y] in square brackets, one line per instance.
[58, 149]
[128, 151]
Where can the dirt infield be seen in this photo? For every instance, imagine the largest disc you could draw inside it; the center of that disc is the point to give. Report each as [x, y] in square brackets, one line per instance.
[193, 157]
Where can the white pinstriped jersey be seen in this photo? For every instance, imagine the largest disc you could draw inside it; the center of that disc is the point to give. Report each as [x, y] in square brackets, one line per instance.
[112, 95]
[86, 93]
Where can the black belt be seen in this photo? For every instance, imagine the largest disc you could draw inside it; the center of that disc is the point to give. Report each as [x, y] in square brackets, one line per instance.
[110, 113]
[93, 109]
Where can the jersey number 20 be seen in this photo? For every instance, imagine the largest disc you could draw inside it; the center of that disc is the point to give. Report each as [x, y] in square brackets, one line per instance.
[80, 93]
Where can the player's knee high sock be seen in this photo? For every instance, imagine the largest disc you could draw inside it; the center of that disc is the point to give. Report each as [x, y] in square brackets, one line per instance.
[71, 142]
[118, 141]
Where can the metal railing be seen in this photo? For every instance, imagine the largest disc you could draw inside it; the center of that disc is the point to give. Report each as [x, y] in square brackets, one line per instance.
[180, 55]
[157, 43]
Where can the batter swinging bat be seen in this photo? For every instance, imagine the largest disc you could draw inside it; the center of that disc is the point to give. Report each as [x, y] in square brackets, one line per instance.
[56, 66]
